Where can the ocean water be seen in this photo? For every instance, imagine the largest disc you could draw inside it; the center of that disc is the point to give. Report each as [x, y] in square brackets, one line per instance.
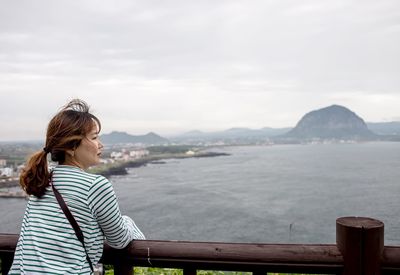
[264, 194]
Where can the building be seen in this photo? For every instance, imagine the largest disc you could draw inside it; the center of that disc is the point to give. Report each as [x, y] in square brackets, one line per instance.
[139, 153]
[6, 172]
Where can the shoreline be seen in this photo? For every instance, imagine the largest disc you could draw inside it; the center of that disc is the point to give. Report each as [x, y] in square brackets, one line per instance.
[116, 169]
[120, 168]
[9, 183]
[13, 194]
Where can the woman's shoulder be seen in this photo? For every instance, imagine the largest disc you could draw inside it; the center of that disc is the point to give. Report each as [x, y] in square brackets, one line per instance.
[100, 186]
[66, 172]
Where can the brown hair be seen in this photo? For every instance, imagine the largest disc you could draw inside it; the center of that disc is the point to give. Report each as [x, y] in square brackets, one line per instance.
[64, 132]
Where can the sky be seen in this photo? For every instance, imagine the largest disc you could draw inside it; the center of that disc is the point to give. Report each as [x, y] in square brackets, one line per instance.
[173, 66]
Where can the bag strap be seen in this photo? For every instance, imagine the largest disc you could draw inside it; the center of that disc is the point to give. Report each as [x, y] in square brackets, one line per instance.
[72, 221]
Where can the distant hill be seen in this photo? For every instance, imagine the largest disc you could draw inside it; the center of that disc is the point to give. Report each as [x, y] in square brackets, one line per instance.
[263, 132]
[123, 137]
[237, 134]
[333, 122]
[385, 128]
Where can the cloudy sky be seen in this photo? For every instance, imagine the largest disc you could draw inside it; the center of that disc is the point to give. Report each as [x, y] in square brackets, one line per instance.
[172, 66]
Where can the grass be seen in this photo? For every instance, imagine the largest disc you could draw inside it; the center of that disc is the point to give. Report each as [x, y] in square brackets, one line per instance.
[171, 271]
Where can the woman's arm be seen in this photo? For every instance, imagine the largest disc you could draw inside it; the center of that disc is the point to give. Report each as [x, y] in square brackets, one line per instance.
[119, 230]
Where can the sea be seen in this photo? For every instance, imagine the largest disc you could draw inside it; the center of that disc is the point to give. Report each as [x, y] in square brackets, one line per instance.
[257, 194]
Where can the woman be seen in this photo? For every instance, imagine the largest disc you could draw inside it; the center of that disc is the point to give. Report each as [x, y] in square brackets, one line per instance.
[48, 243]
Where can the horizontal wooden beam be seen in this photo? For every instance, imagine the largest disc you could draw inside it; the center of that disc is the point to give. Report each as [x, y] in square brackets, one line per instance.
[232, 256]
[8, 242]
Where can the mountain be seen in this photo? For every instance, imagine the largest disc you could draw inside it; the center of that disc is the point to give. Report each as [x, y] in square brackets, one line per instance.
[123, 137]
[246, 132]
[190, 134]
[233, 134]
[385, 128]
[333, 122]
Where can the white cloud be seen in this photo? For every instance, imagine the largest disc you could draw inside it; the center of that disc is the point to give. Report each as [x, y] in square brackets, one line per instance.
[178, 65]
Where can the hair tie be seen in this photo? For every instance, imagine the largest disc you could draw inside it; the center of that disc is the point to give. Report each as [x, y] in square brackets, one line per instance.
[46, 150]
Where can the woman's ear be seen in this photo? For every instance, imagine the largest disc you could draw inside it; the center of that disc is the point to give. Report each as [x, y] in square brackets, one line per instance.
[71, 153]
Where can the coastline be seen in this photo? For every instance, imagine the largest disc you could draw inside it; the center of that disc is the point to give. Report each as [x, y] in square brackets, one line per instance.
[9, 183]
[11, 189]
[120, 168]
[13, 194]
[114, 169]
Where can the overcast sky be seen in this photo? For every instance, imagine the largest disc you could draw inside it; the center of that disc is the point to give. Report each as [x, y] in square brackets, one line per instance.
[174, 66]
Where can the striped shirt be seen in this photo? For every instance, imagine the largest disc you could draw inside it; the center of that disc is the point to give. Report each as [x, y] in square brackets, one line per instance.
[47, 242]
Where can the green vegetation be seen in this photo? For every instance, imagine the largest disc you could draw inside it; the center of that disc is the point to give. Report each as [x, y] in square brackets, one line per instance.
[156, 153]
[172, 271]
[171, 149]
[115, 168]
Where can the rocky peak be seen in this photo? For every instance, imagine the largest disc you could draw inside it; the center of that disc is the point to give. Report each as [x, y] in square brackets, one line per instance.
[333, 122]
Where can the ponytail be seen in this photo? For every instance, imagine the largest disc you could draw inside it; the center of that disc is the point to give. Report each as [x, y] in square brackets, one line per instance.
[35, 176]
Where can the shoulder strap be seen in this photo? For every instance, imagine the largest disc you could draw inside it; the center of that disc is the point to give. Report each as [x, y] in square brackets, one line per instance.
[72, 221]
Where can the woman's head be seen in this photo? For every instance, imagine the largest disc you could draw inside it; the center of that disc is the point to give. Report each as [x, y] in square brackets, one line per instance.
[72, 138]
[68, 129]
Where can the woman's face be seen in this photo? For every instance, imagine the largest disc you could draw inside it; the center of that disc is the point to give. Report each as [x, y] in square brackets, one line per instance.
[88, 152]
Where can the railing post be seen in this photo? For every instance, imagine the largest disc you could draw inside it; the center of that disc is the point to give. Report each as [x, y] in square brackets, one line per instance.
[360, 240]
[6, 262]
[123, 268]
[120, 260]
[189, 271]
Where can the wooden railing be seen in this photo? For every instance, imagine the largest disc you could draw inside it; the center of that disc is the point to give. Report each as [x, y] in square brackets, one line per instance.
[359, 249]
